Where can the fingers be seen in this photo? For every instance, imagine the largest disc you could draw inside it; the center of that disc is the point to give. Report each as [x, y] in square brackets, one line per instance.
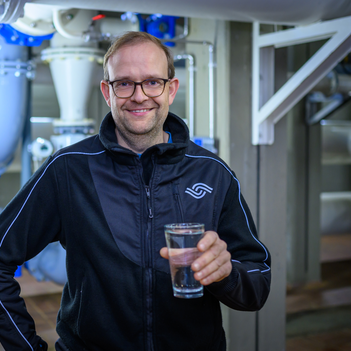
[207, 241]
[164, 252]
[214, 273]
[214, 264]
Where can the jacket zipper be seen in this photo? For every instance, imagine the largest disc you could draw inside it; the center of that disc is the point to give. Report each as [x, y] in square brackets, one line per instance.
[178, 202]
[148, 195]
[148, 271]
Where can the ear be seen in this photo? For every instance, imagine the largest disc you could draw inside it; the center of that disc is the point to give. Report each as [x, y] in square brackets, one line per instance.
[105, 89]
[173, 88]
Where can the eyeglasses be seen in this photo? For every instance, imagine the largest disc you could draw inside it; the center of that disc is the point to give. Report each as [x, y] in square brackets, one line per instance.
[125, 88]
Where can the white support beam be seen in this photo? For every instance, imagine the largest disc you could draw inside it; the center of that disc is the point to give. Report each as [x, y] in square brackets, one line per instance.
[266, 115]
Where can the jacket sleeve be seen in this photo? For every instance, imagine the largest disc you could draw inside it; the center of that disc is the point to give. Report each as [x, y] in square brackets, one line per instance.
[248, 285]
[27, 224]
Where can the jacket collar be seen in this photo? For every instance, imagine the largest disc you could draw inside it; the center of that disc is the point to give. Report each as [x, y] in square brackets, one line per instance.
[165, 153]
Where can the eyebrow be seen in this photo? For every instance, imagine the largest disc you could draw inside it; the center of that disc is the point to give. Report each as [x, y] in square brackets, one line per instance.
[127, 78]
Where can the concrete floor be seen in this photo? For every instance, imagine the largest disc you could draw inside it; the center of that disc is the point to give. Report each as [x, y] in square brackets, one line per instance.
[318, 314]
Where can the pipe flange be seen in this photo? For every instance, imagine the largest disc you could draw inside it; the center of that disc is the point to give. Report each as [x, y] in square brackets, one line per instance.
[18, 68]
[77, 53]
[11, 10]
[84, 126]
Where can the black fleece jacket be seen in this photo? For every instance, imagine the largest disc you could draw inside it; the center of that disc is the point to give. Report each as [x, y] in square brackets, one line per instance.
[107, 207]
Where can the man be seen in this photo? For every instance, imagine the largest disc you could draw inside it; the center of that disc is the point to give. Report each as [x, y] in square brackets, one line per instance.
[107, 199]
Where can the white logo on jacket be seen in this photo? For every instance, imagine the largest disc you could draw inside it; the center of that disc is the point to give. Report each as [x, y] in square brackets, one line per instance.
[199, 190]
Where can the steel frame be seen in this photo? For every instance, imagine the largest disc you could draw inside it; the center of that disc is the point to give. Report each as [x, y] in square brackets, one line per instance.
[265, 114]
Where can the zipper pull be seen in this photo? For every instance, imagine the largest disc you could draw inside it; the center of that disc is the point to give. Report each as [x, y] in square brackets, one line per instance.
[147, 189]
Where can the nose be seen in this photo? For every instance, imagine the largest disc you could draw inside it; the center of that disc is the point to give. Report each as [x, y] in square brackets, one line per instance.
[138, 95]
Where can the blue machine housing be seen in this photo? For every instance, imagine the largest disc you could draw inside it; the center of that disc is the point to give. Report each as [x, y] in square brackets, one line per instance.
[13, 36]
[160, 26]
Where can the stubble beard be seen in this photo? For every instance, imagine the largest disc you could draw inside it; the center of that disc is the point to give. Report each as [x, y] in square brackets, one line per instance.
[139, 141]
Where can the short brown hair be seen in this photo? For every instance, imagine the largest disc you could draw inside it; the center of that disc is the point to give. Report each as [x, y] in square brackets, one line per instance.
[131, 38]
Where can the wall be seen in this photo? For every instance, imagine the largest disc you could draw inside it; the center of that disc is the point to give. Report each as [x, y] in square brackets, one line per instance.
[217, 33]
[262, 171]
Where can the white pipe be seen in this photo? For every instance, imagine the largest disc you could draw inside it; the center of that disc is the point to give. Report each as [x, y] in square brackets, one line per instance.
[37, 20]
[210, 83]
[210, 79]
[211, 92]
[191, 112]
[56, 15]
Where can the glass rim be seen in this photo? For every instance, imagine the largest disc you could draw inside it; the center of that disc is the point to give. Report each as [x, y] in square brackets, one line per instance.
[184, 225]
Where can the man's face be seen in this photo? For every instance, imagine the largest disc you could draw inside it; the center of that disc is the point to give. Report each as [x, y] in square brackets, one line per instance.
[139, 115]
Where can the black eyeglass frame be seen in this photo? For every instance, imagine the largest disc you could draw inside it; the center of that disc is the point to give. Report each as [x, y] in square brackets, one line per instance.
[141, 85]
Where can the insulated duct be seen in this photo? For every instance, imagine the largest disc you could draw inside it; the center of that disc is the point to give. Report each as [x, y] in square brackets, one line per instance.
[73, 64]
[14, 74]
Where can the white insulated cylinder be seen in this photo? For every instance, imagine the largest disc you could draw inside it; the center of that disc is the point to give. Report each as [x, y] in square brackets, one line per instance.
[73, 72]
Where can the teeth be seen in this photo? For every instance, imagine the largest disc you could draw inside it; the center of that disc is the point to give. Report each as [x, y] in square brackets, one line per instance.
[137, 111]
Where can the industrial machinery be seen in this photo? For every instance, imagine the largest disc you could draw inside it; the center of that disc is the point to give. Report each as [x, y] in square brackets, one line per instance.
[74, 58]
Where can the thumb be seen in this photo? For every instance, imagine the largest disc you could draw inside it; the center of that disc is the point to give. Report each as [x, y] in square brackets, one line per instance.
[164, 252]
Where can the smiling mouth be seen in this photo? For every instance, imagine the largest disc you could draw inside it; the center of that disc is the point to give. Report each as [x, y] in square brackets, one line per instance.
[141, 110]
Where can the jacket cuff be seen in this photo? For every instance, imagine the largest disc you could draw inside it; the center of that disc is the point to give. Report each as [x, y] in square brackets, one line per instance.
[42, 345]
[226, 285]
